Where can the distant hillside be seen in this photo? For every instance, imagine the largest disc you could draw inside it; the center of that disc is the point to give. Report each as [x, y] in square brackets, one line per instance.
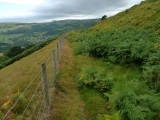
[23, 34]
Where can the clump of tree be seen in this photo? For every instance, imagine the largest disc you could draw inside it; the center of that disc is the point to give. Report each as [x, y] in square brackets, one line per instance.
[104, 17]
[14, 51]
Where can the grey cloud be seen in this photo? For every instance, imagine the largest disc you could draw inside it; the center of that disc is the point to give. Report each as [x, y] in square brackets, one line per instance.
[60, 9]
[81, 6]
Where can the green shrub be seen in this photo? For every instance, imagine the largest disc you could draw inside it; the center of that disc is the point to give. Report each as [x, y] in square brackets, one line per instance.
[158, 87]
[20, 105]
[91, 76]
[128, 46]
[115, 116]
[135, 101]
[1, 114]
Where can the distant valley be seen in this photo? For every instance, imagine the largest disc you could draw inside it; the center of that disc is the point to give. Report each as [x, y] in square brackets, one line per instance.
[24, 34]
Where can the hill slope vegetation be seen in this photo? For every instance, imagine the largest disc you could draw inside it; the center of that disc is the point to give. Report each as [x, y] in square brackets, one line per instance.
[128, 44]
[115, 67]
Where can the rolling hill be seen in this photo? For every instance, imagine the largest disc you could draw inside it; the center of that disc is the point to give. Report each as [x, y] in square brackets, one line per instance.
[113, 72]
[128, 45]
[23, 34]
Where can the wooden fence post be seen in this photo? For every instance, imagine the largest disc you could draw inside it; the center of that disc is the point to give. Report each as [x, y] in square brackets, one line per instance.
[57, 52]
[54, 65]
[60, 45]
[45, 84]
[63, 37]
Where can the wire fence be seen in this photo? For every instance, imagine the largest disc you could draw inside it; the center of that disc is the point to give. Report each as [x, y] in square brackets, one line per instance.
[35, 101]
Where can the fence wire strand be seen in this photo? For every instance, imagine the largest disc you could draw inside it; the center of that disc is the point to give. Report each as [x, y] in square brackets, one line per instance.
[35, 108]
[38, 110]
[31, 99]
[21, 96]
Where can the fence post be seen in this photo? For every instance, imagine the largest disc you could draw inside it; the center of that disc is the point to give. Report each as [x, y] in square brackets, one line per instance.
[45, 84]
[57, 52]
[54, 65]
[63, 37]
[60, 45]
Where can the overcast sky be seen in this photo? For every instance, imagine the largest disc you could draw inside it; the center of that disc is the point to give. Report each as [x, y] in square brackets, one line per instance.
[48, 10]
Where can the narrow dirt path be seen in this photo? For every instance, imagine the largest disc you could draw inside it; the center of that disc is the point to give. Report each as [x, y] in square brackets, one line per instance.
[68, 104]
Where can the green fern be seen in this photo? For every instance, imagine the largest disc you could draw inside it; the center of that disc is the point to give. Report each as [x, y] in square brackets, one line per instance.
[135, 101]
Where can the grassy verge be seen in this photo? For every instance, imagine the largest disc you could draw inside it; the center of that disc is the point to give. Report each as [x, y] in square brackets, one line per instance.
[85, 103]
[68, 104]
[119, 77]
[96, 105]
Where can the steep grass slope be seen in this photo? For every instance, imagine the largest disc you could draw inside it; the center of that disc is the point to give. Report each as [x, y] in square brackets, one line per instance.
[19, 74]
[145, 15]
[130, 40]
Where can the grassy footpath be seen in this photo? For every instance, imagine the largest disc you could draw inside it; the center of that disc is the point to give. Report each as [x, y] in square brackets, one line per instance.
[71, 103]
[68, 104]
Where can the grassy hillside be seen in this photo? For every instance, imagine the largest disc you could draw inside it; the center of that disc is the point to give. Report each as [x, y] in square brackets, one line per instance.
[23, 34]
[23, 70]
[15, 78]
[115, 66]
[146, 15]
[128, 45]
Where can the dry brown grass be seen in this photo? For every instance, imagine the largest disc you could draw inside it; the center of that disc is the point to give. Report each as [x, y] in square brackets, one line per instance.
[19, 74]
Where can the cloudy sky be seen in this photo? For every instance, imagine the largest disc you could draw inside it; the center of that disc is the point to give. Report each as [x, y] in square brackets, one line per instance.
[48, 10]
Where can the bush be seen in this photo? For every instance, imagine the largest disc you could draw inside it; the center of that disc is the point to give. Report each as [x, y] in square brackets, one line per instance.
[128, 46]
[90, 76]
[19, 107]
[1, 114]
[135, 101]
[115, 116]
[14, 51]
